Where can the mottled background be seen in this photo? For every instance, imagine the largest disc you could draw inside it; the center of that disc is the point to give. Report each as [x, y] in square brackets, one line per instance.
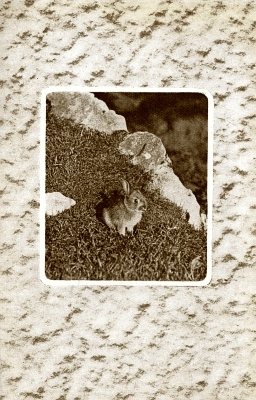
[109, 343]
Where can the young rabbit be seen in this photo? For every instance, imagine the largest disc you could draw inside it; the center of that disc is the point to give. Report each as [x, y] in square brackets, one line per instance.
[127, 212]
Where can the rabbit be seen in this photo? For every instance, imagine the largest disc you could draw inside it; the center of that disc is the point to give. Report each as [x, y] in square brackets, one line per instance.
[127, 212]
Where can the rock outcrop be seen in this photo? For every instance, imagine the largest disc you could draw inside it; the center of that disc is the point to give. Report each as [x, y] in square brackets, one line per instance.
[85, 109]
[146, 149]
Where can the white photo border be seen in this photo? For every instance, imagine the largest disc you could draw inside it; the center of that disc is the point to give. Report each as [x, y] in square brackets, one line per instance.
[42, 172]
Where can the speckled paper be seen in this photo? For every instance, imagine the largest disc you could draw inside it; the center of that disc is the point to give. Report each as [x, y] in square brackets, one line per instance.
[76, 343]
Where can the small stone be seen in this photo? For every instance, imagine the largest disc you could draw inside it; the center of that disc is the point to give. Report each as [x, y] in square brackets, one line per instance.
[57, 203]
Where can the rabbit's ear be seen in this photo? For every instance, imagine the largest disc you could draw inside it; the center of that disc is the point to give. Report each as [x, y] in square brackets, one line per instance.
[126, 186]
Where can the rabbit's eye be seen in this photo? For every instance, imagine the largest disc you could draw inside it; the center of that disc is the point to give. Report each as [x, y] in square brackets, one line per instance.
[136, 201]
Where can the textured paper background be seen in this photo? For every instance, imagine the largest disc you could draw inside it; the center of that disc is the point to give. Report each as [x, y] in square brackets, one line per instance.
[122, 342]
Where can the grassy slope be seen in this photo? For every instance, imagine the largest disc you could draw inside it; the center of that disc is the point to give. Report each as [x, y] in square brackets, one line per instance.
[86, 166]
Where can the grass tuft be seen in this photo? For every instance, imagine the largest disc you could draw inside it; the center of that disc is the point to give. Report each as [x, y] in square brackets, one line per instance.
[86, 166]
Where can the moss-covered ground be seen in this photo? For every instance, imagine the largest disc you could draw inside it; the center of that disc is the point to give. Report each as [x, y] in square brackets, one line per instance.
[86, 166]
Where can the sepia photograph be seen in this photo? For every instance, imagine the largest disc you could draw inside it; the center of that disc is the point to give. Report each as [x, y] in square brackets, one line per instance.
[126, 182]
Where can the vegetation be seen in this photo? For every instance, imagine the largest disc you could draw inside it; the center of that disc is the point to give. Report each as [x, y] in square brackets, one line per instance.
[86, 166]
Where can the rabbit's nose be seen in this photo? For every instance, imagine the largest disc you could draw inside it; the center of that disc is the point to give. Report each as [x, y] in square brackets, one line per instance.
[142, 208]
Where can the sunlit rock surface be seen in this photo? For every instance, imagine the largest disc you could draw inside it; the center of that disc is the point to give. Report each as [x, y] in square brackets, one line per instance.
[86, 110]
[143, 148]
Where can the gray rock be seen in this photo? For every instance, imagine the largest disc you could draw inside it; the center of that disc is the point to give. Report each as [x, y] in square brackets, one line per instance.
[86, 109]
[56, 203]
[147, 150]
[172, 189]
[144, 148]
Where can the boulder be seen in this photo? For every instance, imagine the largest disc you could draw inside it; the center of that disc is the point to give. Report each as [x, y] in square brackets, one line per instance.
[86, 109]
[147, 150]
[172, 189]
[144, 148]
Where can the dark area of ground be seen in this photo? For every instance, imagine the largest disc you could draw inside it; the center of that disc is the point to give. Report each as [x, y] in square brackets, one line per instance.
[87, 167]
